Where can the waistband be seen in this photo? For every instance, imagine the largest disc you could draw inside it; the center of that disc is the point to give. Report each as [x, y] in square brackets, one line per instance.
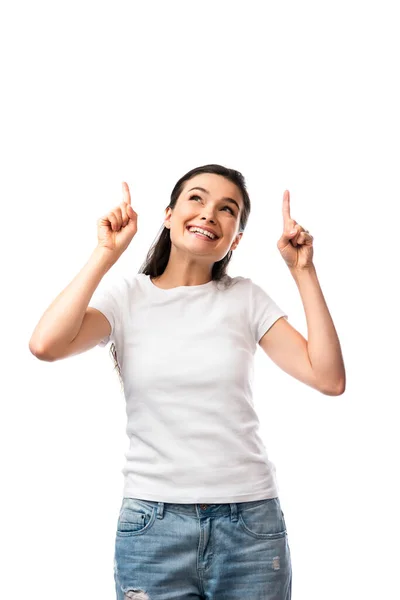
[202, 510]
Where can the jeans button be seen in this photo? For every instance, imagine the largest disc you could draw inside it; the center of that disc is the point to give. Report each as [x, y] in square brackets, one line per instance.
[203, 506]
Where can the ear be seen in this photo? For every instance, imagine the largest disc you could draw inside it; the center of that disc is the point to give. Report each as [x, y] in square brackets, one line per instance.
[237, 240]
[168, 214]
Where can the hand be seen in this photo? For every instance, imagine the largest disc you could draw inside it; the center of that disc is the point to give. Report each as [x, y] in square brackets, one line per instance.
[116, 229]
[296, 248]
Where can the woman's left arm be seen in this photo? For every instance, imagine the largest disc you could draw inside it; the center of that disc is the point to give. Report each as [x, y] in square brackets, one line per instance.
[317, 361]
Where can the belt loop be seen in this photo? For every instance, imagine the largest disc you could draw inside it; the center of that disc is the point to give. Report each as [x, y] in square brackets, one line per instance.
[234, 512]
[160, 510]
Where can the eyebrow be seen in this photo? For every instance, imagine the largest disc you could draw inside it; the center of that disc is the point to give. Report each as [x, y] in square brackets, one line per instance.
[231, 200]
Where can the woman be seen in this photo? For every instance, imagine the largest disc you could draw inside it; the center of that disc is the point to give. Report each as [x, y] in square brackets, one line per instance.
[200, 515]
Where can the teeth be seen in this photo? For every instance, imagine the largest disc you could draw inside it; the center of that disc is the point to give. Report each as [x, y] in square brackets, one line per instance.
[199, 230]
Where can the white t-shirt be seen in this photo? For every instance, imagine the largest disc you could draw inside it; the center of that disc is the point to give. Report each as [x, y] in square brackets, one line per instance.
[186, 356]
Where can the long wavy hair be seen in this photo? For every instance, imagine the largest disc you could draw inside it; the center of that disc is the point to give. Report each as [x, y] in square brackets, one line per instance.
[158, 255]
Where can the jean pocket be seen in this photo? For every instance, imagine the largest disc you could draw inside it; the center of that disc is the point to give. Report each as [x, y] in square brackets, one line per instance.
[264, 520]
[135, 518]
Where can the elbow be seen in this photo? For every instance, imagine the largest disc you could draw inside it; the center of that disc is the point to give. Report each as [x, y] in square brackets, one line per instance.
[342, 388]
[337, 390]
[40, 353]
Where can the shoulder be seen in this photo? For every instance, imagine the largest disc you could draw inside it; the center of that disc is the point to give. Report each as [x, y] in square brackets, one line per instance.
[245, 287]
[227, 282]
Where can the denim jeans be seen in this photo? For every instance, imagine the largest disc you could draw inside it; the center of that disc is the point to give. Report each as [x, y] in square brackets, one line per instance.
[237, 551]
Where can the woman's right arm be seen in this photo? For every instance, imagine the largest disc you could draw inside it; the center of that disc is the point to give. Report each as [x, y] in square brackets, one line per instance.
[68, 326]
[62, 321]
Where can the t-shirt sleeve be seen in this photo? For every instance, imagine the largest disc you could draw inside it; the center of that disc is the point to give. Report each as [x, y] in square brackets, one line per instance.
[264, 311]
[107, 299]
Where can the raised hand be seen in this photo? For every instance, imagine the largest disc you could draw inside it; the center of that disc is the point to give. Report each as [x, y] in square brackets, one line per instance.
[295, 243]
[116, 229]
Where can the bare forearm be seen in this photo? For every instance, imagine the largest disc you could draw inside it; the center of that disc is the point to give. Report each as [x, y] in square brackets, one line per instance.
[323, 343]
[62, 320]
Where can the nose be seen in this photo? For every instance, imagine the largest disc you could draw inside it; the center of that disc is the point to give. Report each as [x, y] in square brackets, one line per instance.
[209, 218]
[208, 214]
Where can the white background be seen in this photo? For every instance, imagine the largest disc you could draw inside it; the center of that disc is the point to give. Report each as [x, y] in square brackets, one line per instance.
[301, 96]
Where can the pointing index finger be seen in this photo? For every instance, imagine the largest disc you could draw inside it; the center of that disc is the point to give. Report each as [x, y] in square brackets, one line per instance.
[126, 193]
[286, 207]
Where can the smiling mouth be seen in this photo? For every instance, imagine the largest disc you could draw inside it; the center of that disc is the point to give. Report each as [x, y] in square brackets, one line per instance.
[202, 236]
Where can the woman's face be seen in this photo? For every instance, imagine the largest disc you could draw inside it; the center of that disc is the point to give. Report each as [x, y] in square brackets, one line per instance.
[208, 209]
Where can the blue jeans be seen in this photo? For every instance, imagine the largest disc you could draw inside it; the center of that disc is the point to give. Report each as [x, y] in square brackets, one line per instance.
[232, 551]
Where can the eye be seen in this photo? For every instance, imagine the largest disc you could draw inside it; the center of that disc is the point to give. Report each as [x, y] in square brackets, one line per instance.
[228, 207]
